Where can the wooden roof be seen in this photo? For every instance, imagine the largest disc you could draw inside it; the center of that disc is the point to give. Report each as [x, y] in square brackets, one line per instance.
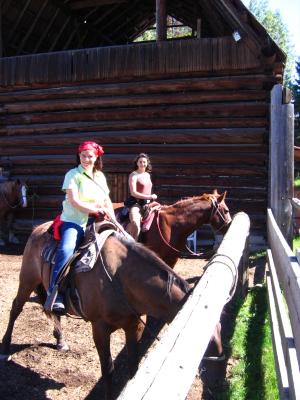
[38, 26]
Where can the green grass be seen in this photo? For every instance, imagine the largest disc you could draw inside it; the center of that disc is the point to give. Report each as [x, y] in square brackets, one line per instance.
[252, 376]
[297, 182]
[296, 243]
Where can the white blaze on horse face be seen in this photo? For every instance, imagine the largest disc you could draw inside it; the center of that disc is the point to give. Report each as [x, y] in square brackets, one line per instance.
[23, 196]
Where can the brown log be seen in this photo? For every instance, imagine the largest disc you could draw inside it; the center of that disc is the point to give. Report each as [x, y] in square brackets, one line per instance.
[161, 158]
[255, 109]
[176, 85]
[140, 100]
[203, 169]
[93, 126]
[249, 136]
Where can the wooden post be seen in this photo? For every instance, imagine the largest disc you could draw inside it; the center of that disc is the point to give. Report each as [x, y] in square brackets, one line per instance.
[171, 367]
[198, 28]
[1, 42]
[161, 20]
[281, 162]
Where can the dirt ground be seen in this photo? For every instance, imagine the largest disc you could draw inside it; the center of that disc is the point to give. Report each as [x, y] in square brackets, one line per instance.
[38, 371]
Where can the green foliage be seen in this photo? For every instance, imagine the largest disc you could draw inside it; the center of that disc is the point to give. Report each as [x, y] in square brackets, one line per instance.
[277, 29]
[296, 243]
[297, 182]
[253, 373]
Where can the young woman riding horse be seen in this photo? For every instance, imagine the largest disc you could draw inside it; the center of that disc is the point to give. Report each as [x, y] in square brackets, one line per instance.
[86, 193]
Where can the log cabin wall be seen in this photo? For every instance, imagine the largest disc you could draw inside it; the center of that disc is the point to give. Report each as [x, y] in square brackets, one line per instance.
[199, 108]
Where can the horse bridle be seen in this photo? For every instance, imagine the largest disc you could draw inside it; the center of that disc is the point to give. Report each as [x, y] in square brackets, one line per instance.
[215, 210]
[22, 200]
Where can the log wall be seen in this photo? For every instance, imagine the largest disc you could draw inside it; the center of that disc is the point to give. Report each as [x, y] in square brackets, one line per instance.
[203, 131]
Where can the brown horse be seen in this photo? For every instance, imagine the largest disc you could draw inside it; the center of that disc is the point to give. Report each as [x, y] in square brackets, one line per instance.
[12, 196]
[173, 223]
[131, 281]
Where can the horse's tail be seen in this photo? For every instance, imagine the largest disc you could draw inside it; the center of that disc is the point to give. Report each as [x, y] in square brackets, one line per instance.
[41, 292]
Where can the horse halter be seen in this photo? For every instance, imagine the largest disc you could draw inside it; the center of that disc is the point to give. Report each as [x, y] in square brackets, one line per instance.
[216, 209]
[22, 198]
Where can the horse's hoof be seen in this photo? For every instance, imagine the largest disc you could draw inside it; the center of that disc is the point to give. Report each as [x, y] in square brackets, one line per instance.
[5, 357]
[62, 347]
[215, 358]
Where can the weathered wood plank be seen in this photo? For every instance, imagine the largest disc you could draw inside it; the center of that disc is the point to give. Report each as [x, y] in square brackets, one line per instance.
[242, 109]
[138, 100]
[83, 126]
[289, 275]
[288, 372]
[175, 85]
[171, 366]
[225, 136]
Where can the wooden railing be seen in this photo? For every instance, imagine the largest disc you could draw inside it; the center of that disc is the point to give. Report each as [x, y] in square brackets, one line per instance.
[172, 365]
[283, 282]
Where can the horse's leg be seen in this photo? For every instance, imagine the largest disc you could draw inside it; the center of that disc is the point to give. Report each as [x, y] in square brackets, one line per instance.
[11, 236]
[2, 242]
[101, 335]
[57, 333]
[215, 348]
[133, 333]
[17, 307]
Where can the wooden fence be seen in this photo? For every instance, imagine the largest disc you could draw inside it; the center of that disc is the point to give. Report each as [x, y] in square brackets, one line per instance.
[172, 365]
[283, 281]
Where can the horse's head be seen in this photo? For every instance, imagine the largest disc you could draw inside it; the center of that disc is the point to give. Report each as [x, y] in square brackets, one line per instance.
[220, 218]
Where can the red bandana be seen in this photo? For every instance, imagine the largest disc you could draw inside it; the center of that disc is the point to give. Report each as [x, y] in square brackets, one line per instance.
[98, 150]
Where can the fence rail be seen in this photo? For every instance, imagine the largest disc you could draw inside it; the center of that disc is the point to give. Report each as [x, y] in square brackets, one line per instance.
[172, 365]
[284, 274]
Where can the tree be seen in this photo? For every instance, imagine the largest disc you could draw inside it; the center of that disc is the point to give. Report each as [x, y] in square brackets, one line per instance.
[273, 23]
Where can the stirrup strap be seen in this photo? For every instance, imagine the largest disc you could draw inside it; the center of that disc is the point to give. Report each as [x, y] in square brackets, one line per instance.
[51, 299]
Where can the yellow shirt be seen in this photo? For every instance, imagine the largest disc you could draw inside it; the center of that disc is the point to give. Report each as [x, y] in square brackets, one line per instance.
[88, 190]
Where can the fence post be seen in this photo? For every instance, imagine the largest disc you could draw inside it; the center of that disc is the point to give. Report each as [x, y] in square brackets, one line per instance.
[281, 162]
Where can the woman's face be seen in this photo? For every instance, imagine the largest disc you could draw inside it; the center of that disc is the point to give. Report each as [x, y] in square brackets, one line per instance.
[142, 163]
[87, 159]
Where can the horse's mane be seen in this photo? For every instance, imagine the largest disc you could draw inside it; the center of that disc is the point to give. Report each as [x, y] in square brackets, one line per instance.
[172, 277]
[190, 200]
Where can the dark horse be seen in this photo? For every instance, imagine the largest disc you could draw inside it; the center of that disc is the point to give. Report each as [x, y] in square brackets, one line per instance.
[173, 223]
[132, 281]
[12, 196]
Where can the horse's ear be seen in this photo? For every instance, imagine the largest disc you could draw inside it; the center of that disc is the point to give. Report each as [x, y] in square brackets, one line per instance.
[215, 192]
[222, 197]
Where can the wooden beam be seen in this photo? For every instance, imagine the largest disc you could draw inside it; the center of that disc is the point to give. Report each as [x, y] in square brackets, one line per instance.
[172, 365]
[161, 20]
[1, 42]
[281, 147]
[32, 26]
[198, 28]
[77, 5]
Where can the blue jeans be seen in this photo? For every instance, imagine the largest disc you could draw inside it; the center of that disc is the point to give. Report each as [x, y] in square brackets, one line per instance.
[71, 236]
